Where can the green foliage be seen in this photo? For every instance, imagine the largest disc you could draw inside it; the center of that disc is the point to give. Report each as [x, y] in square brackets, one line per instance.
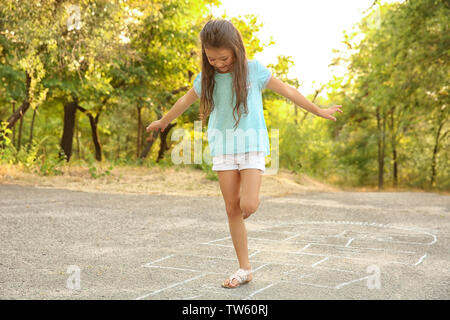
[207, 169]
[50, 165]
[395, 96]
[99, 173]
[32, 158]
[96, 170]
[4, 138]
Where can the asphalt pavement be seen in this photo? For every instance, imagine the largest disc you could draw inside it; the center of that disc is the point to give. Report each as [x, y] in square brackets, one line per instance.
[62, 244]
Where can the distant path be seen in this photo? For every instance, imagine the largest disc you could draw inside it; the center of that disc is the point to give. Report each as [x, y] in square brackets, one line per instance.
[343, 245]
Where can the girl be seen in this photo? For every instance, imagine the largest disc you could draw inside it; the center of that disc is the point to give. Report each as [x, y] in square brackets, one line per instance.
[229, 87]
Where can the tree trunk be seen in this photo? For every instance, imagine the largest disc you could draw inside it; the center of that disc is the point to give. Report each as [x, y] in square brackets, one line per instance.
[150, 140]
[118, 147]
[395, 164]
[394, 150]
[94, 131]
[383, 149]
[95, 137]
[18, 114]
[127, 139]
[434, 157]
[163, 146]
[70, 110]
[31, 129]
[14, 127]
[139, 131]
[381, 146]
[19, 142]
[77, 136]
[153, 136]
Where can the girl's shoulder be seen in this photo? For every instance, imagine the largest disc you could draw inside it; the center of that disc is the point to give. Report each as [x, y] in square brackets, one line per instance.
[255, 66]
[253, 63]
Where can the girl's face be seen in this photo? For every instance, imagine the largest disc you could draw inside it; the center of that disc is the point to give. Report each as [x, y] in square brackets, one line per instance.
[220, 58]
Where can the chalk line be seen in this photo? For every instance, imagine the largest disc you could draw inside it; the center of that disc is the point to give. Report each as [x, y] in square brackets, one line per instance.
[169, 287]
[319, 262]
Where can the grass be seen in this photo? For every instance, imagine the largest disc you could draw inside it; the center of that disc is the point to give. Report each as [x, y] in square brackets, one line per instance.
[148, 178]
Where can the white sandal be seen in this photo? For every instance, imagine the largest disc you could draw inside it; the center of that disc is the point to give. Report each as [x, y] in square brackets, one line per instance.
[242, 277]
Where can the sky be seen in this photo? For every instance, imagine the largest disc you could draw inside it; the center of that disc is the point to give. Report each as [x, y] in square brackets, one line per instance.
[306, 30]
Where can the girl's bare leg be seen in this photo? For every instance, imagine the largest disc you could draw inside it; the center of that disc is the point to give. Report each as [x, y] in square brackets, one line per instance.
[229, 182]
[240, 204]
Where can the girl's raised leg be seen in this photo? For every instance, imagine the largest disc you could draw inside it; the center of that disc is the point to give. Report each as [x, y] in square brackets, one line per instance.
[250, 186]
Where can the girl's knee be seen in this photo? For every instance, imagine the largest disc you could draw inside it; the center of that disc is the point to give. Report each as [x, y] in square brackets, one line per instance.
[233, 209]
[249, 205]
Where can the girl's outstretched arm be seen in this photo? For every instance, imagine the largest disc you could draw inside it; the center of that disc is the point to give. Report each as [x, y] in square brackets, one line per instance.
[296, 97]
[178, 108]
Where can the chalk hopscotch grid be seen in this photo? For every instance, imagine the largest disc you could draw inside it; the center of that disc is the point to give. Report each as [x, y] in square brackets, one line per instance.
[310, 243]
[289, 238]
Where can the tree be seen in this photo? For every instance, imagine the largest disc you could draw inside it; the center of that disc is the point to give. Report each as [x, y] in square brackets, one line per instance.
[397, 87]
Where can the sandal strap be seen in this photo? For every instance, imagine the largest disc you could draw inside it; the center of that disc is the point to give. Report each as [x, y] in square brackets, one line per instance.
[241, 275]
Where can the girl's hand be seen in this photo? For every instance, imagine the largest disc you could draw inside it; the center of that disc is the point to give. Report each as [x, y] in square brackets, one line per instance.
[327, 113]
[157, 125]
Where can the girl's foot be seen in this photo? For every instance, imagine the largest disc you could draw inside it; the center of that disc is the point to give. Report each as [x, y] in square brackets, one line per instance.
[241, 276]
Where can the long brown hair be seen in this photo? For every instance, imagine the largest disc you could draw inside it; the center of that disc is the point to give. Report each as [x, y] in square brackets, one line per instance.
[222, 34]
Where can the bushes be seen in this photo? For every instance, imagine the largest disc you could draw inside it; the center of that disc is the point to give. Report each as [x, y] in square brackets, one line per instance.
[32, 157]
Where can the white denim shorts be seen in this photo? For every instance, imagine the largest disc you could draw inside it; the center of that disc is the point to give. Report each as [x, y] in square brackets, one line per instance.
[240, 161]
